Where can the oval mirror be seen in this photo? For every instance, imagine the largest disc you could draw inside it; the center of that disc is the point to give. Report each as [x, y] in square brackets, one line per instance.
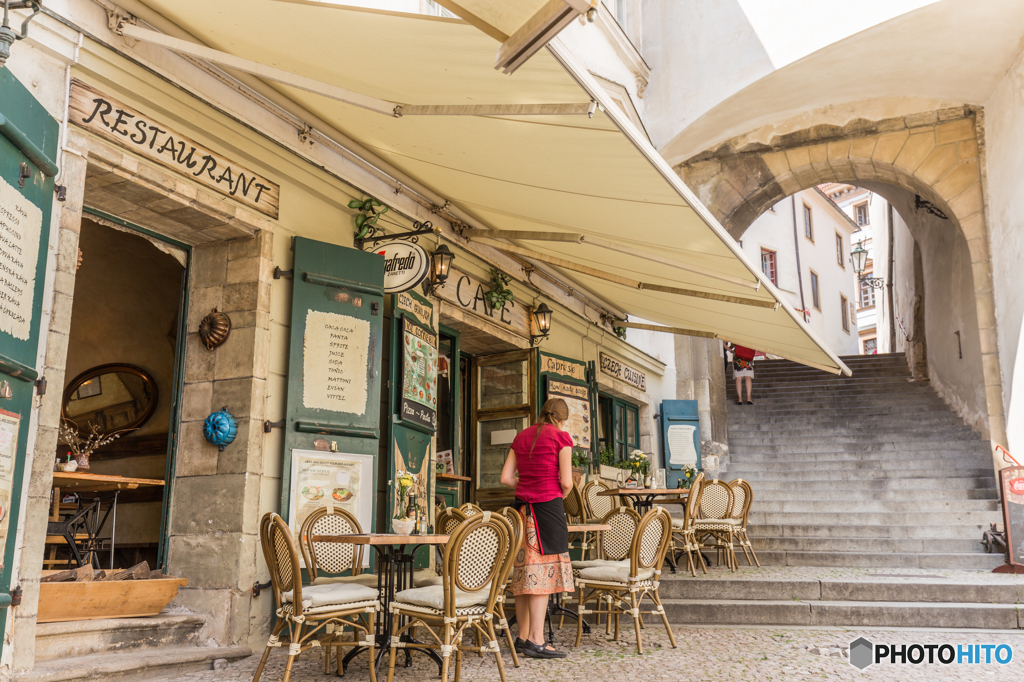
[111, 398]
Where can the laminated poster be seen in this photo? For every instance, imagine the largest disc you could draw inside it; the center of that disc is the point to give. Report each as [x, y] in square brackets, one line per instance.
[419, 374]
[334, 362]
[9, 425]
[578, 400]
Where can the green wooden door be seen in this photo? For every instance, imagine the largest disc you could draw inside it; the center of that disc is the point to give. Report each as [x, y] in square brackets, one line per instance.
[332, 425]
[28, 145]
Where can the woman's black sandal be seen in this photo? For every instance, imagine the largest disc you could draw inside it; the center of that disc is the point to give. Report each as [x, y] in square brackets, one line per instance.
[541, 650]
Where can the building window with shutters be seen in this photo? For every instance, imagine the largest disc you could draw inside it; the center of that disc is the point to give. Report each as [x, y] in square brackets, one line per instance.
[867, 293]
[808, 223]
[839, 251]
[618, 425]
[870, 346]
[815, 291]
[845, 308]
[860, 212]
[768, 265]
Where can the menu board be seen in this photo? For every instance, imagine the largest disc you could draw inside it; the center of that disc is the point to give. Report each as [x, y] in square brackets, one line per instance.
[680, 445]
[9, 425]
[21, 223]
[419, 374]
[578, 399]
[1012, 479]
[334, 361]
[331, 480]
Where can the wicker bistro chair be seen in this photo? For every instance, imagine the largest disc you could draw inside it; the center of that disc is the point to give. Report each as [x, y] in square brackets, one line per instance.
[612, 549]
[576, 513]
[715, 521]
[515, 519]
[445, 523]
[315, 611]
[624, 587]
[744, 497]
[468, 508]
[476, 565]
[597, 505]
[684, 538]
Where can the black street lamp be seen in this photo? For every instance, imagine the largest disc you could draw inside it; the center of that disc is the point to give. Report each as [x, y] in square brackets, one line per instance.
[859, 260]
[541, 322]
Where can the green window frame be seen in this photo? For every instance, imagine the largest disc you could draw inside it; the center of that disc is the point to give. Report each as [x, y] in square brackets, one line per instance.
[618, 425]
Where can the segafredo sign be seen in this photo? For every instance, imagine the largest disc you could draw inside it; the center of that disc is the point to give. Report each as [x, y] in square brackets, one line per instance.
[405, 265]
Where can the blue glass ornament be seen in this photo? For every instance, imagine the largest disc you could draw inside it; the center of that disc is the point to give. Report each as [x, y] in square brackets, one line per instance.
[220, 428]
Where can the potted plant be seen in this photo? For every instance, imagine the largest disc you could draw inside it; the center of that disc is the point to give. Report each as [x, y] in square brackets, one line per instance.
[82, 446]
[580, 463]
[639, 466]
[611, 466]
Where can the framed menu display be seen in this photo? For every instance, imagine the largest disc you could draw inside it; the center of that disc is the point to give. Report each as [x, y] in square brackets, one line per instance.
[333, 480]
[419, 375]
[577, 397]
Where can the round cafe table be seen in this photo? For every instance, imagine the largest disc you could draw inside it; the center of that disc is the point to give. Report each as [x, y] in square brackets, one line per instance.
[643, 499]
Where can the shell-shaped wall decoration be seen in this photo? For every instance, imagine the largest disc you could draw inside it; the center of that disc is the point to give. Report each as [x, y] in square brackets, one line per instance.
[214, 329]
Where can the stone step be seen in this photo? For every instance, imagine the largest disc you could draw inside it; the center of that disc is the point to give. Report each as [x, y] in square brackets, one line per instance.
[790, 390]
[842, 613]
[871, 518]
[840, 459]
[929, 589]
[784, 483]
[113, 635]
[896, 531]
[946, 560]
[876, 506]
[134, 666]
[830, 446]
[853, 426]
[857, 496]
[739, 466]
[918, 441]
[851, 475]
[894, 545]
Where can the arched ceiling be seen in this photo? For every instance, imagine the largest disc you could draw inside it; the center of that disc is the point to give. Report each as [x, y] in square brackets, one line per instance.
[940, 54]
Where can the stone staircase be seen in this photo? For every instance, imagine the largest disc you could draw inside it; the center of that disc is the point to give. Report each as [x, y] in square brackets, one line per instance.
[871, 470]
[124, 649]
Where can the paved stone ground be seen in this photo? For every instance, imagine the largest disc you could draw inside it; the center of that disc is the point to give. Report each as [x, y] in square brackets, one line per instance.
[713, 654]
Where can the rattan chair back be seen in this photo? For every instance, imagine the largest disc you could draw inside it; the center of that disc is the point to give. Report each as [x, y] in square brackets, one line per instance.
[330, 557]
[515, 519]
[615, 543]
[693, 501]
[597, 505]
[575, 511]
[744, 498]
[716, 500]
[477, 555]
[448, 520]
[469, 509]
[650, 541]
[282, 558]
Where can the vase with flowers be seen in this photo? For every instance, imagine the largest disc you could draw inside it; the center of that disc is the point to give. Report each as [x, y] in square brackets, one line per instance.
[82, 446]
[402, 523]
[639, 466]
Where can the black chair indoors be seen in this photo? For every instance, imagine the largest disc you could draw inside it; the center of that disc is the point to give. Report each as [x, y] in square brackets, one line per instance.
[79, 530]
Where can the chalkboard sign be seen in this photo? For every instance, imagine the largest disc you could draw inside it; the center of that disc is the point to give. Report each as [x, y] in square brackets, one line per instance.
[1012, 479]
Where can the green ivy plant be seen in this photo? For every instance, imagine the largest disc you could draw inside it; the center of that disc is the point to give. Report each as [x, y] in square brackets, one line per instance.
[370, 210]
[608, 457]
[620, 332]
[499, 293]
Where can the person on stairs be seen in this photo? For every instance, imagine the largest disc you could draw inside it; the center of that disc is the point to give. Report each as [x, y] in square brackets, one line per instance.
[743, 368]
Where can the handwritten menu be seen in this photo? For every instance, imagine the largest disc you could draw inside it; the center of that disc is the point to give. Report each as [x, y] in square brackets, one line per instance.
[21, 223]
[419, 374]
[578, 400]
[9, 424]
[334, 361]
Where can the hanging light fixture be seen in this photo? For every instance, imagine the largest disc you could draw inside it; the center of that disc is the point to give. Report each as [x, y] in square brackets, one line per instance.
[8, 36]
[859, 261]
[541, 322]
[440, 267]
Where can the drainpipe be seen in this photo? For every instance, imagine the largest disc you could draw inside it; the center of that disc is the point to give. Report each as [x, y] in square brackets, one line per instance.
[799, 271]
[892, 261]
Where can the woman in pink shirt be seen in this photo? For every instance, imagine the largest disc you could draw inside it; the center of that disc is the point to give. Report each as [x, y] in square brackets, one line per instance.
[539, 467]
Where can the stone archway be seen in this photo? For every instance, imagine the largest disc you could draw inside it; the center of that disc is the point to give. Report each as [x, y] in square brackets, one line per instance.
[936, 155]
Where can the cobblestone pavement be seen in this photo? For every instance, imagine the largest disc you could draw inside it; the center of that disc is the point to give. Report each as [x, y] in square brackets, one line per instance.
[713, 654]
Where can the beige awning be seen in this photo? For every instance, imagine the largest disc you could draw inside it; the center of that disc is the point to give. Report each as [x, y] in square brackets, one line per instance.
[567, 173]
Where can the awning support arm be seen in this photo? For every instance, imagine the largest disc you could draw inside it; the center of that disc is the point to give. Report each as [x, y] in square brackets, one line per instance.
[624, 281]
[579, 238]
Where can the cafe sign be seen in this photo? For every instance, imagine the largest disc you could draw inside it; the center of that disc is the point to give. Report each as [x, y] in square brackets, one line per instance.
[158, 142]
[623, 372]
[405, 265]
[467, 292]
[568, 368]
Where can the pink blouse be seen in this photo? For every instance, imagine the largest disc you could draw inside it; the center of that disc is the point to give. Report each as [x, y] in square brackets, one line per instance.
[538, 470]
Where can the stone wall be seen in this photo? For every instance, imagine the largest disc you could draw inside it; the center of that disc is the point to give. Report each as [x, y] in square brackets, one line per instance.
[700, 376]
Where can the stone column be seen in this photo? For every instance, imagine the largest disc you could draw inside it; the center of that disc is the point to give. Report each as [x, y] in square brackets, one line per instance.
[700, 376]
[215, 498]
[39, 467]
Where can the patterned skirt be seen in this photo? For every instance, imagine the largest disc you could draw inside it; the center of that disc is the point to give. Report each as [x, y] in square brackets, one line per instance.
[536, 573]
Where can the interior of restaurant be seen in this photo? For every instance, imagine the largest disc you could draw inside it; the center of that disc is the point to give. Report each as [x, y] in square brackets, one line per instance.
[108, 506]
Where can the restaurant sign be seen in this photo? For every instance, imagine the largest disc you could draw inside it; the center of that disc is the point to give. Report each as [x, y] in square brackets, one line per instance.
[156, 141]
[467, 293]
[567, 368]
[623, 372]
[405, 265]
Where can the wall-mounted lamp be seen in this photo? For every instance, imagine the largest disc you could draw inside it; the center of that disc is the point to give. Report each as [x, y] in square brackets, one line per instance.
[859, 260]
[541, 322]
[8, 36]
[440, 266]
